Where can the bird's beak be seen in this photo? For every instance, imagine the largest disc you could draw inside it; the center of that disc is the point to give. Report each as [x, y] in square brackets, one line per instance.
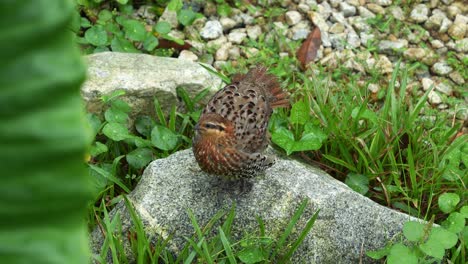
[197, 127]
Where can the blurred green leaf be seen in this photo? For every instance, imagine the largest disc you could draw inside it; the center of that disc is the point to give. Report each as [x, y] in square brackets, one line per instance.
[399, 253]
[96, 35]
[45, 188]
[455, 222]
[113, 114]
[151, 42]
[186, 17]
[448, 202]
[163, 138]
[378, 254]
[104, 16]
[252, 254]
[98, 148]
[120, 44]
[116, 131]
[175, 5]
[439, 240]
[358, 182]
[413, 231]
[162, 27]
[134, 30]
[144, 125]
[140, 157]
[224, 10]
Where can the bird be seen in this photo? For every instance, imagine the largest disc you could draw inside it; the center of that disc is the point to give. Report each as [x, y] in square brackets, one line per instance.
[232, 131]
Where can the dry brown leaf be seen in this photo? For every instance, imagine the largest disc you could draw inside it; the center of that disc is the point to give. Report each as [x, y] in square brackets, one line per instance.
[308, 50]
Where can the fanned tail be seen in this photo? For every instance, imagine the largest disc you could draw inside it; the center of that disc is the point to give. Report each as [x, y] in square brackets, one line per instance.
[269, 84]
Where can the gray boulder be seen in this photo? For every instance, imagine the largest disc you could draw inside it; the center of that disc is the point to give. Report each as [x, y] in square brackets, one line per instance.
[348, 224]
[143, 77]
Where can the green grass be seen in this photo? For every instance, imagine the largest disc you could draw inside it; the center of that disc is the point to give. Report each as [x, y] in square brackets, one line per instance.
[391, 146]
[211, 243]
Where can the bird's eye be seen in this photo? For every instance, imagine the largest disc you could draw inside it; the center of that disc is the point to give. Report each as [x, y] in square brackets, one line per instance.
[214, 126]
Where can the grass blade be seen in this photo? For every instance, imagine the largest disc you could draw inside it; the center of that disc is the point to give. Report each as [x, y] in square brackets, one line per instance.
[227, 247]
[302, 236]
[159, 112]
[290, 227]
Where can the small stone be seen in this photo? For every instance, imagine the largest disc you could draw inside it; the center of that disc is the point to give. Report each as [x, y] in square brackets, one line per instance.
[215, 44]
[338, 40]
[280, 27]
[365, 13]
[209, 9]
[227, 23]
[373, 88]
[219, 64]
[170, 17]
[435, 21]
[444, 88]
[447, 2]
[283, 54]
[461, 45]
[234, 53]
[207, 58]
[347, 9]
[417, 35]
[303, 8]
[188, 55]
[199, 23]
[237, 36]
[353, 40]
[458, 29]
[437, 44]
[254, 31]
[419, 13]
[334, 3]
[324, 9]
[457, 77]
[247, 19]
[299, 33]
[249, 52]
[197, 45]
[427, 83]
[442, 106]
[414, 53]
[366, 38]
[434, 98]
[222, 54]
[325, 39]
[397, 13]
[453, 11]
[392, 47]
[446, 23]
[338, 17]
[384, 65]
[212, 30]
[462, 114]
[337, 28]
[442, 68]
[319, 21]
[383, 2]
[376, 9]
[176, 34]
[360, 24]
[293, 17]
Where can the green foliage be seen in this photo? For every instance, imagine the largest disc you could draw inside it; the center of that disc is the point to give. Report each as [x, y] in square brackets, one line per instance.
[119, 154]
[116, 30]
[426, 243]
[212, 243]
[43, 137]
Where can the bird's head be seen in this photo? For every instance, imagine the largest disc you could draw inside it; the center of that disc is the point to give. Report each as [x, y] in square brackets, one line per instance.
[212, 126]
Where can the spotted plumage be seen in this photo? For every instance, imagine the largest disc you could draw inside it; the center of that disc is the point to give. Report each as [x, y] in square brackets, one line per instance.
[231, 134]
